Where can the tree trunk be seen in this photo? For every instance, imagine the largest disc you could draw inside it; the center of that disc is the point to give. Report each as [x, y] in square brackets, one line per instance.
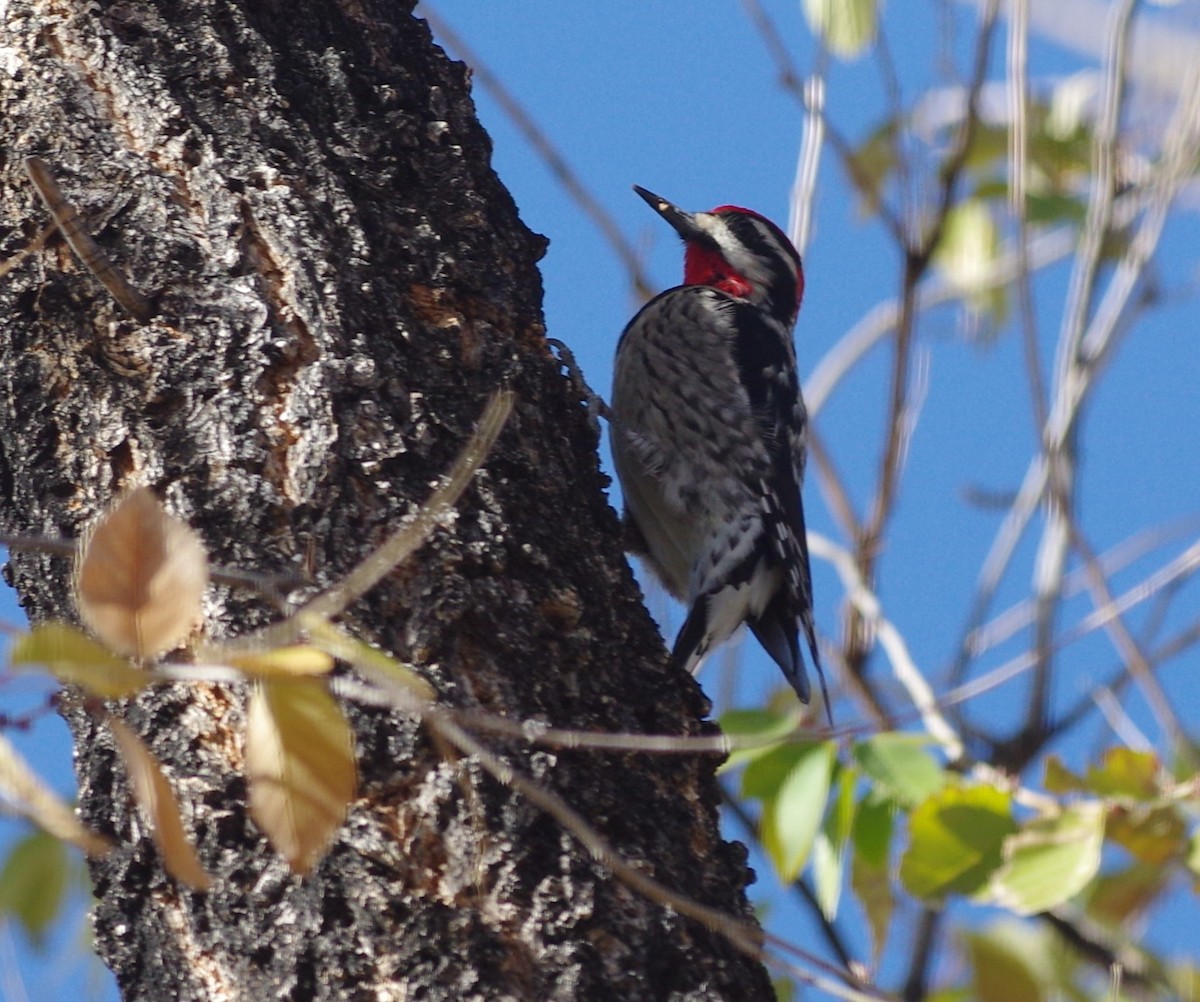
[338, 281]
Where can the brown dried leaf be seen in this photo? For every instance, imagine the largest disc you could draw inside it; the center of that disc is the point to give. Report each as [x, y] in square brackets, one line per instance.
[20, 784]
[159, 807]
[141, 577]
[300, 765]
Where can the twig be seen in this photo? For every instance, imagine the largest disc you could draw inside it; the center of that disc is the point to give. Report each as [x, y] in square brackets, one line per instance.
[907, 673]
[35, 245]
[402, 543]
[791, 80]
[269, 584]
[1091, 945]
[90, 255]
[918, 970]
[1050, 563]
[1171, 648]
[538, 734]
[745, 937]
[881, 320]
[1186, 564]
[805, 185]
[1182, 140]
[1127, 647]
[917, 257]
[1132, 548]
[541, 144]
[1018, 139]
[1121, 723]
[897, 114]
[833, 935]
[833, 486]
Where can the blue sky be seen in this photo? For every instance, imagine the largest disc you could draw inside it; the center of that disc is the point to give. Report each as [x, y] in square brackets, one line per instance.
[683, 99]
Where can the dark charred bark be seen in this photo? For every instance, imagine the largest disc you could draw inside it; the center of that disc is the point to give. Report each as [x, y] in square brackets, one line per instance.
[339, 281]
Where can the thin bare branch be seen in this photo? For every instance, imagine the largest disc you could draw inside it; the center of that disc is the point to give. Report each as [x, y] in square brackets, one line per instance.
[1018, 171]
[1182, 641]
[833, 935]
[792, 81]
[881, 320]
[539, 734]
[805, 185]
[1050, 563]
[1121, 723]
[918, 253]
[743, 936]
[891, 640]
[896, 113]
[1185, 565]
[555, 162]
[90, 254]
[1127, 647]
[924, 944]
[1182, 140]
[1132, 548]
[832, 485]
[35, 245]
[403, 542]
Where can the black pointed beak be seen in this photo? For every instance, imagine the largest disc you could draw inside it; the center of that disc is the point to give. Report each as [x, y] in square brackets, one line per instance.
[683, 223]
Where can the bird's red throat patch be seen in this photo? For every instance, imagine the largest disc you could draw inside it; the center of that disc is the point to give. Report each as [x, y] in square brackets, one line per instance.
[705, 266]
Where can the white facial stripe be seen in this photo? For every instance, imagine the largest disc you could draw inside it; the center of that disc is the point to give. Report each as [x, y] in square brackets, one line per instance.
[747, 264]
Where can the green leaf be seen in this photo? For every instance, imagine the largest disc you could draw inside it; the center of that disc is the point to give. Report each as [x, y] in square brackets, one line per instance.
[33, 883]
[1050, 860]
[785, 989]
[1009, 964]
[956, 839]
[792, 815]
[901, 766]
[71, 656]
[1060, 779]
[1151, 833]
[1121, 897]
[1126, 773]
[829, 848]
[872, 164]
[967, 252]
[765, 773]
[870, 877]
[1054, 208]
[872, 834]
[1193, 857]
[761, 728]
[846, 27]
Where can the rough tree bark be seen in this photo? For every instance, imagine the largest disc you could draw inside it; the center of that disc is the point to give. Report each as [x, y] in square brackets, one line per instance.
[338, 281]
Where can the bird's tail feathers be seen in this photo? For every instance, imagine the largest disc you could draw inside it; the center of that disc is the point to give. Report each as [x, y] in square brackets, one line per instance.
[777, 633]
[811, 634]
[693, 641]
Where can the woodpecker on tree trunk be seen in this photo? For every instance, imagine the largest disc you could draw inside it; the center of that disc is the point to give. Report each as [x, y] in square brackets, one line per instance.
[709, 438]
